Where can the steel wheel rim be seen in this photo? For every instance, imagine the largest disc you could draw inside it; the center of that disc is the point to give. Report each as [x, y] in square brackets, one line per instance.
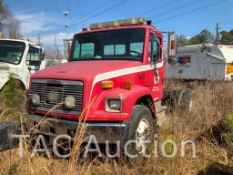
[142, 132]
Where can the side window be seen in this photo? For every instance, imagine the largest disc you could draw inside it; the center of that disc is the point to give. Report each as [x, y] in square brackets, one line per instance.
[33, 56]
[88, 50]
[109, 50]
[154, 48]
[136, 48]
[118, 49]
[76, 52]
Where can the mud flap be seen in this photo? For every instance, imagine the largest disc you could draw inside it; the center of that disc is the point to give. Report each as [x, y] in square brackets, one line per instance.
[7, 129]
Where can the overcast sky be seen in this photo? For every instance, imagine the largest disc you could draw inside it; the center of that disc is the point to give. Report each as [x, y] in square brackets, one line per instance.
[187, 17]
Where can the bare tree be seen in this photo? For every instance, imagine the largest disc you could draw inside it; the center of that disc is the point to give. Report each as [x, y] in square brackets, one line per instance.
[53, 53]
[4, 15]
[14, 28]
[9, 25]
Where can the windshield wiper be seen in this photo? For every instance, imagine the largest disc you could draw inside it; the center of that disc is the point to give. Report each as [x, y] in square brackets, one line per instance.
[2, 60]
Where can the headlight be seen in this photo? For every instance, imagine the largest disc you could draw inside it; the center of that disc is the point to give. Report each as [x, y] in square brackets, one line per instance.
[113, 105]
[35, 99]
[70, 102]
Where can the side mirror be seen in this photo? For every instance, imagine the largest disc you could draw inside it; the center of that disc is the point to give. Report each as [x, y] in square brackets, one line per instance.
[42, 54]
[31, 68]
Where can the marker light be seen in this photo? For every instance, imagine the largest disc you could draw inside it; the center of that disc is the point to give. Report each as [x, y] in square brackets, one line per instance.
[173, 44]
[127, 85]
[107, 84]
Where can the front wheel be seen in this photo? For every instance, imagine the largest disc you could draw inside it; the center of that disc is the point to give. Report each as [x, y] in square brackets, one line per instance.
[140, 135]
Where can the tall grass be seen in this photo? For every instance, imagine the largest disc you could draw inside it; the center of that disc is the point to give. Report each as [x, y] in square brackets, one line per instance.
[212, 104]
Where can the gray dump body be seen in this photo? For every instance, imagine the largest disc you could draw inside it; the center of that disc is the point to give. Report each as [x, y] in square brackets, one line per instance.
[202, 62]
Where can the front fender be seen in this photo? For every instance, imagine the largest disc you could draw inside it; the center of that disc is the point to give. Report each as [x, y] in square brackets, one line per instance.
[3, 81]
[5, 78]
[129, 99]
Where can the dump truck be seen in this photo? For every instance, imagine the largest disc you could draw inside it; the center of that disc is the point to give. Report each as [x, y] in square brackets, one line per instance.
[113, 83]
[202, 62]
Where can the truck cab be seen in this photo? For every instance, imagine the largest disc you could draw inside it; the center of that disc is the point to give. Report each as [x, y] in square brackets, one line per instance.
[20, 57]
[113, 82]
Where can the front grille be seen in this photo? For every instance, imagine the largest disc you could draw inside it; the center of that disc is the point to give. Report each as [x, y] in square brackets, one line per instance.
[56, 90]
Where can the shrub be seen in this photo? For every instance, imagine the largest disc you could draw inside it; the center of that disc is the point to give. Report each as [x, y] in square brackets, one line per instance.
[228, 133]
[12, 95]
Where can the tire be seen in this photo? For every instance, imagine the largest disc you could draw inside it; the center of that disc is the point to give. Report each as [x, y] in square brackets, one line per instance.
[141, 124]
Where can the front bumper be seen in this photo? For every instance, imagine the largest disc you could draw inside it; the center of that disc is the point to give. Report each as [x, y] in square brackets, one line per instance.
[52, 127]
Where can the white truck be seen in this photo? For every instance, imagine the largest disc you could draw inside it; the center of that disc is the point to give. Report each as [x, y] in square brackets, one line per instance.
[202, 62]
[20, 57]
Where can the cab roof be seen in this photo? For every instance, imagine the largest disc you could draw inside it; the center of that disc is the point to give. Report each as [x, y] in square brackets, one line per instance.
[27, 42]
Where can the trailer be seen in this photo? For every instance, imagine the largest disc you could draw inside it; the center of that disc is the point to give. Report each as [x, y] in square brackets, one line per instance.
[202, 62]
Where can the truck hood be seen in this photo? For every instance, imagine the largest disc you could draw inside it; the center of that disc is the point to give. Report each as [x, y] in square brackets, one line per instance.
[83, 70]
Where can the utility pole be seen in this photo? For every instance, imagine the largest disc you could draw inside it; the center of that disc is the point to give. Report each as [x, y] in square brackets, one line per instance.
[66, 14]
[55, 44]
[217, 37]
[39, 38]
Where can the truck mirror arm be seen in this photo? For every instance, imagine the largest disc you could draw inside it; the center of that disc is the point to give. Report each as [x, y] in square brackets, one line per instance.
[171, 60]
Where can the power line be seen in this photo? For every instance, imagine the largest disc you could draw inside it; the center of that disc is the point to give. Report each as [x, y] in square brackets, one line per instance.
[228, 21]
[171, 10]
[114, 6]
[132, 7]
[157, 7]
[78, 8]
[99, 6]
[121, 12]
[191, 11]
[70, 14]
[58, 11]
[228, 24]
[101, 12]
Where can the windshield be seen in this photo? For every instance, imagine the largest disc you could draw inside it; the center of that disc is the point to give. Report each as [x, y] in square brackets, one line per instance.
[125, 44]
[11, 51]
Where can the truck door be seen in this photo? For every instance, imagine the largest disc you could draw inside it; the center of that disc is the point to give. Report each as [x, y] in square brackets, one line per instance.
[155, 58]
[33, 59]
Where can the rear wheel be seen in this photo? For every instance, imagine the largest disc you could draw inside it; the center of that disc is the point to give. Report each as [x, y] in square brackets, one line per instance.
[140, 138]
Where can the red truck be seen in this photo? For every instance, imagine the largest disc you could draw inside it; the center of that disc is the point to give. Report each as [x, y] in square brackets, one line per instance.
[115, 68]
